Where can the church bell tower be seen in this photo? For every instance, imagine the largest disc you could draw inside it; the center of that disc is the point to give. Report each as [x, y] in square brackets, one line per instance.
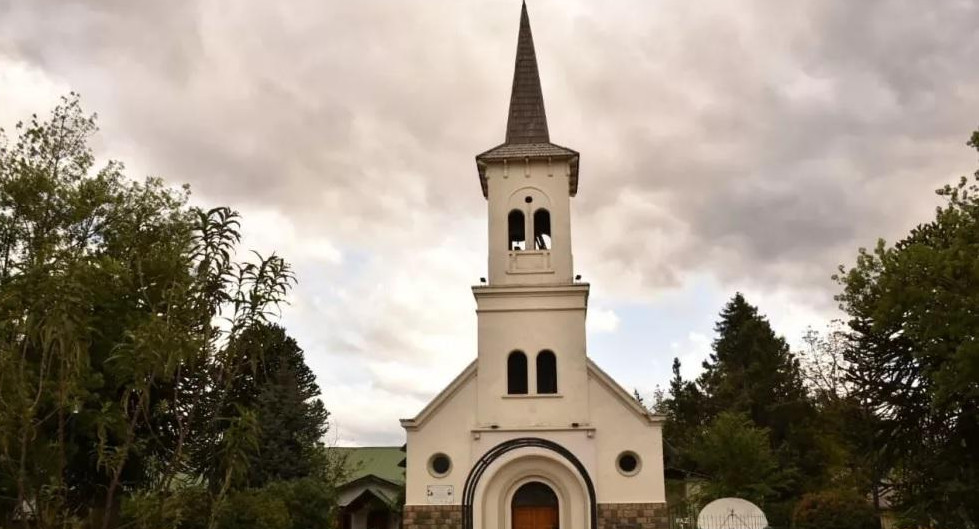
[532, 312]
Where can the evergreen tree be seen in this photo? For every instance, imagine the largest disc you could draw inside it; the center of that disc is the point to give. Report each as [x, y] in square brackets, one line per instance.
[686, 417]
[283, 390]
[753, 372]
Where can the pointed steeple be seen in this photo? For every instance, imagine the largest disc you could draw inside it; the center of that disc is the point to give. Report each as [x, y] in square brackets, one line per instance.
[526, 129]
[527, 122]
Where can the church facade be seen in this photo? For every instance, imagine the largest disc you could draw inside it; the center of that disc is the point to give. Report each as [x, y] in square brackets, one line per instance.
[532, 434]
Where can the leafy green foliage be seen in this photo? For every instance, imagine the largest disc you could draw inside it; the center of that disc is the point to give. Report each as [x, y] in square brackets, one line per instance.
[738, 457]
[834, 510]
[752, 387]
[307, 503]
[914, 358]
[311, 501]
[120, 311]
[253, 508]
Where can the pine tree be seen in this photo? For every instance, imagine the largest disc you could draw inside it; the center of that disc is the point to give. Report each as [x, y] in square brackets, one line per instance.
[283, 391]
[686, 418]
[752, 371]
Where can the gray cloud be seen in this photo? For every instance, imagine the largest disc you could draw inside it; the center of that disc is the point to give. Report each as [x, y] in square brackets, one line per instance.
[748, 141]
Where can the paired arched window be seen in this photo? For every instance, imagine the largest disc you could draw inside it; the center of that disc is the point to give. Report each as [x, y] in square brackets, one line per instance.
[517, 376]
[542, 229]
[516, 373]
[546, 372]
[516, 231]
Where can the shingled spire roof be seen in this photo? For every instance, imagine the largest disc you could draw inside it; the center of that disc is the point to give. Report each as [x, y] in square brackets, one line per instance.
[527, 122]
[526, 132]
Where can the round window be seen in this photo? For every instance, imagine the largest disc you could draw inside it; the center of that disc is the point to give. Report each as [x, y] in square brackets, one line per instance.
[628, 463]
[439, 465]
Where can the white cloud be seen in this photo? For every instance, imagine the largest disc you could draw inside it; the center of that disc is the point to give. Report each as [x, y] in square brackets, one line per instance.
[692, 352]
[272, 230]
[25, 89]
[602, 320]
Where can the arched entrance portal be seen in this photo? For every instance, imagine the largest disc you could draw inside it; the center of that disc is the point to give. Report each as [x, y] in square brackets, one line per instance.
[535, 506]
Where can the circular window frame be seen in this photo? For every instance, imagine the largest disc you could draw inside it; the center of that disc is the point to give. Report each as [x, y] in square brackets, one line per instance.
[431, 465]
[618, 463]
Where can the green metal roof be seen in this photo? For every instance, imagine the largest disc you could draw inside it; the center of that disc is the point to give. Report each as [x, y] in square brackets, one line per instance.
[380, 461]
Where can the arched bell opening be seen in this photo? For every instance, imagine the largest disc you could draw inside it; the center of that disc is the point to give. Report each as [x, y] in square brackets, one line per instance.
[542, 229]
[516, 231]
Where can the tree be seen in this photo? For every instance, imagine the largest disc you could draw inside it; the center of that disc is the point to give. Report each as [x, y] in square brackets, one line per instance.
[738, 460]
[823, 364]
[118, 303]
[846, 422]
[914, 355]
[277, 383]
[834, 510]
[752, 371]
[686, 417]
[88, 266]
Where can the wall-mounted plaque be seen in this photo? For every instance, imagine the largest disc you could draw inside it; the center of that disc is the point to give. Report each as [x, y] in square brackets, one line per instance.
[440, 494]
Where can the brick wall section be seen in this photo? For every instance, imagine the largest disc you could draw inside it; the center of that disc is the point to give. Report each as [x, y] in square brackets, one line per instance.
[632, 516]
[432, 517]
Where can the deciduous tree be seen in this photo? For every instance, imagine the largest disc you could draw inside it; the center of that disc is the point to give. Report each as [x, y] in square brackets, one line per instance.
[914, 357]
[119, 305]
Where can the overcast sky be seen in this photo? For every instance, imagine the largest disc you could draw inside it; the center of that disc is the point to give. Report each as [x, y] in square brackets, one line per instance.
[726, 145]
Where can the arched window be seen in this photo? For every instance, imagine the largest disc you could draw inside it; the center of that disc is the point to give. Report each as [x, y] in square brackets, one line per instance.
[516, 373]
[517, 235]
[542, 229]
[546, 372]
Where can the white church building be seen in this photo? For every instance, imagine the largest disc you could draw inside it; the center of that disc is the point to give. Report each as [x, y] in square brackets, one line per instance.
[532, 434]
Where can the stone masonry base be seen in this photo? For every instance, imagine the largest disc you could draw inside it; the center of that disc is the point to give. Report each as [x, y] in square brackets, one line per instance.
[610, 516]
[432, 517]
[632, 516]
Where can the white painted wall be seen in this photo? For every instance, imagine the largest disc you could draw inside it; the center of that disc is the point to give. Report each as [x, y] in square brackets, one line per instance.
[447, 430]
[615, 427]
[547, 183]
[532, 320]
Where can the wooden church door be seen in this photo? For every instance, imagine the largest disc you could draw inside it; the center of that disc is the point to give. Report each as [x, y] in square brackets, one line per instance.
[535, 507]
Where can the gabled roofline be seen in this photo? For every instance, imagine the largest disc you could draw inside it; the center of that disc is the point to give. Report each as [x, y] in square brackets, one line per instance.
[418, 420]
[370, 477]
[470, 372]
[379, 495]
[623, 395]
